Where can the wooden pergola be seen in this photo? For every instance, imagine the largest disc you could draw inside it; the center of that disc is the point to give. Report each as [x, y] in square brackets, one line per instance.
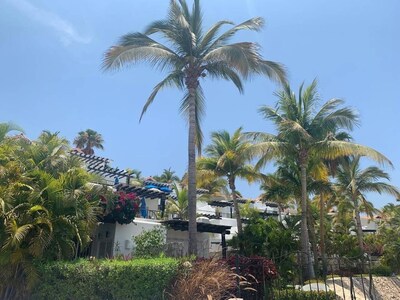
[100, 165]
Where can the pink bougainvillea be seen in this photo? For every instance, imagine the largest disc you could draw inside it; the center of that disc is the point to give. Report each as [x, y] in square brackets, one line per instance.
[122, 208]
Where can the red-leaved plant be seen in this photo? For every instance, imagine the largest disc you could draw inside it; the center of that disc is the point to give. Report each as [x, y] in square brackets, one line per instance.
[121, 208]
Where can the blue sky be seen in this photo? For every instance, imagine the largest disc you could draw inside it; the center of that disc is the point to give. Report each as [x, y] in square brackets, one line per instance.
[50, 77]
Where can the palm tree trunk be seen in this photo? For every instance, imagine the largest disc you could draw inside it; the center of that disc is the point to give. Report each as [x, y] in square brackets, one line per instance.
[358, 224]
[307, 265]
[280, 211]
[312, 235]
[322, 233]
[192, 173]
[236, 205]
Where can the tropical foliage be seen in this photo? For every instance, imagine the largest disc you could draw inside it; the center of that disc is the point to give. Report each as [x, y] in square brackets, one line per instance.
[168, 176]
[106, 279]
[88, 140]
[178, 204]
[230, 156]
[189, 54]
[271, 238]
[6, 128]
[119, 207]
[47, 210]
[307, 132]
[150, 243]
[354, 183]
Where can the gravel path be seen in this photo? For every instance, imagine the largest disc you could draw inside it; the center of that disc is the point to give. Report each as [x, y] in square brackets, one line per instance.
[384, 288]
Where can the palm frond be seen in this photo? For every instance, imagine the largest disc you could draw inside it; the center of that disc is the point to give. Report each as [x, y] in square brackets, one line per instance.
[173, 79]
[242, 57]
[135, 47]
[259, 136]
[8, 127]
[16, 234]
[196, 20]
[270, 113]
[271, 149]
[381, 187]
[335, 149]
[289, 127]
[210, 35]
[254, 24]
[222, 70]
[275, 71]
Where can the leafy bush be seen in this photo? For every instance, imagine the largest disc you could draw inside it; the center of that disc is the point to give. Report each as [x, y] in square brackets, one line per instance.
[382, 270]
[257, 272]
[303, 295]
[258, 267]
[106, 279]
[150, 243]
[270, 238]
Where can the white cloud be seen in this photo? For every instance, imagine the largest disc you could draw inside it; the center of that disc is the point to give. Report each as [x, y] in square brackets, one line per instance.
[65, 30]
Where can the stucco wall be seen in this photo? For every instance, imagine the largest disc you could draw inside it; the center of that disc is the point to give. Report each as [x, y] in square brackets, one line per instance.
[177, 241]
[123, 243]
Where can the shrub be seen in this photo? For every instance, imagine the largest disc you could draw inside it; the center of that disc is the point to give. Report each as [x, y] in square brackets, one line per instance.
[303, 295]
[205, 279]
[106, 279]
[257, 271]
[121, 207]
[382, 270]
[259, 267]
[150, 243]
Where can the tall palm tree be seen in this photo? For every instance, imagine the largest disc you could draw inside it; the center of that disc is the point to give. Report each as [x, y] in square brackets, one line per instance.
[88, 140]
[230, 156]
[305, 132]
[190, 54]
[354, 182]
[284, 187]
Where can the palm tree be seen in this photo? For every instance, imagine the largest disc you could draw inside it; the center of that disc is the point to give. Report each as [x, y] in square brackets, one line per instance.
[46, 211]
[190, 54]
[284, 187]
[214, 184]
[229, 156]
[168, 176]
[307, 132]
[179, 204]
[8, 127]
[50, 153]
[354, 182]
[391, 214]
[87, 140]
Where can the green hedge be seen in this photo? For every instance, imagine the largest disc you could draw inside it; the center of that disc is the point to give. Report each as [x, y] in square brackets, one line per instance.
[106, 279]
[382, 270]
[303, 295]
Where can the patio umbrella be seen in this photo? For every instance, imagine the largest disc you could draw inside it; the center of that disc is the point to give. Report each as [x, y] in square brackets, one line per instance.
[143, 209]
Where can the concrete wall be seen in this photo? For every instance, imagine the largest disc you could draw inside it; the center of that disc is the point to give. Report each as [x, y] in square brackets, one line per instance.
[177, 243]
[123, 241]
